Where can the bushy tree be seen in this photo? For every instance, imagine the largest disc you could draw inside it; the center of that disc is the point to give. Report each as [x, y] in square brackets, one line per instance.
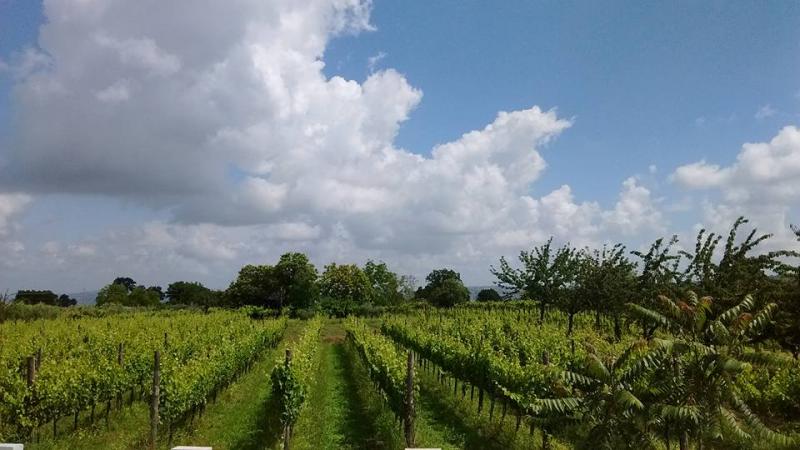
[118, 293]
[343, 287]
[158, 291]
[438, 276]
[255, 285]
[141, 296]
[545, 276]
[787, 317]
[31, 297]
[407, 287]
[736, 273]
[292, 282]
[128, 282]
[66, 301]
[444, 288]
[659, 276]
[606, 282]
[112, 293]
[296, 281]
[385, 283]
[448, 293]
[698, 394]
[488, 295]
[190, 293]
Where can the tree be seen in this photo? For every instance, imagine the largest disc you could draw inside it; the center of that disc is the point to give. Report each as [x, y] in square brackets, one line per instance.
[158, 291]
[659, 277]
[544, 277]
[488, 295]
[448, 293]
[609, 399]
[296, 281]
[255, 285]
[385, 283]
[112, 293]
[31, 297]
[407, 287]
[700, 396]
[606, 281]
[190, 293]
[125, 281]
[787, 317]
[345, 282]
[444, 288]
[438, 276]
[141, 296]
[737, 273]
[65, 301]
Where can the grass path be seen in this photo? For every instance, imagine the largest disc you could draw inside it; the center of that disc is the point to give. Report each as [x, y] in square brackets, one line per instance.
[241, 418]
[342, 411]
[126, 428]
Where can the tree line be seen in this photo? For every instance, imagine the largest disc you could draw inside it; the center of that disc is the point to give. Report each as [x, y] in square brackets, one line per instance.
[45, 297]
[295, 283]
[611, 281]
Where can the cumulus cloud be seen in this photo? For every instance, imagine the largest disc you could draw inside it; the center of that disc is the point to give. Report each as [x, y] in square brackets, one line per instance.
[764, 171]
[220, 116]
[763, 184]
[635, 210]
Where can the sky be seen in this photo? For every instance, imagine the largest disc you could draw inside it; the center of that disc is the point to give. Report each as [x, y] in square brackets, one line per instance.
[182, 140]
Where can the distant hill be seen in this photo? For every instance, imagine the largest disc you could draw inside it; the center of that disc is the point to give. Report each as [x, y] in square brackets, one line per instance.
[84, 298]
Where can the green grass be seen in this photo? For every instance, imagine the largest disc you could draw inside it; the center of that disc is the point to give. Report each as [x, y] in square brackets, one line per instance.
[345, 411]
[342, 411]
[127, 429]
[242, 417]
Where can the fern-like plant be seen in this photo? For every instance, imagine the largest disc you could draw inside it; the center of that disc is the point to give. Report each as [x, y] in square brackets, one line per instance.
[700, 395]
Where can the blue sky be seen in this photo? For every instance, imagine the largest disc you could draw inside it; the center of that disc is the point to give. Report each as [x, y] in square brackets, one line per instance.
[635, 75]
[648, 87]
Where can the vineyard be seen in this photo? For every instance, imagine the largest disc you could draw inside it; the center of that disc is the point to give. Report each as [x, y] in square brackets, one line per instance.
[493, 376]
[49, 369]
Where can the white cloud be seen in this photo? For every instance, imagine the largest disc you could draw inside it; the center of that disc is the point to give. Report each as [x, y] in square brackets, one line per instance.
[117, 92]
[11, 205]
[142, 54]
[763, 172]
[372, 61]
[635, 210]
[700, 175]
[765, 111]
[219, 115]
[763, 184]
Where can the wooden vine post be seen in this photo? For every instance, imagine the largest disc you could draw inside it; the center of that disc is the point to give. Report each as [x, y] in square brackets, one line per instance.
[287, 429]
[545, 436]
[30, 378]
[410, 407]
[120, 362]
[31, 373]
[154, 400]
